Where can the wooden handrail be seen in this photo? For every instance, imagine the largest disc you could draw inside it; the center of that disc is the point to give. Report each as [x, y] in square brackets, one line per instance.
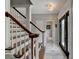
[16, 21]
[36, 27]
[30, 21]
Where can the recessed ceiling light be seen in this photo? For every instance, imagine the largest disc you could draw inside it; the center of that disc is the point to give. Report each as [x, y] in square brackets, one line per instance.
[51, 6]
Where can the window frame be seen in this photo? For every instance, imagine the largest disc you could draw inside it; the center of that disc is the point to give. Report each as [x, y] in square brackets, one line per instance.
[65, 18]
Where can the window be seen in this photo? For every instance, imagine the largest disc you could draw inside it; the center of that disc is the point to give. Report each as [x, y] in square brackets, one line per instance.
[63, 33]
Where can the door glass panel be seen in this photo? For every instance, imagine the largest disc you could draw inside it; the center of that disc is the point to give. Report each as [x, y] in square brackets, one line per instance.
[62, 33]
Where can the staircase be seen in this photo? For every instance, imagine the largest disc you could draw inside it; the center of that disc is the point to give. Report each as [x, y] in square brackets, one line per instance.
[22, 40]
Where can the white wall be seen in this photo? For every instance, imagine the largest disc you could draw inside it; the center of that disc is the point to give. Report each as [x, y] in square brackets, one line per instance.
[68, 7]
[44, 17]
[7, 35]
[57, 32]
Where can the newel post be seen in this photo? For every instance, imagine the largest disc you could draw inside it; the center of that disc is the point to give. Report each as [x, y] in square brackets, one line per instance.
[32, 36]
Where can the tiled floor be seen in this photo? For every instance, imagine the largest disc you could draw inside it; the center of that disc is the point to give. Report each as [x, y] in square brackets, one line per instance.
[52, 51]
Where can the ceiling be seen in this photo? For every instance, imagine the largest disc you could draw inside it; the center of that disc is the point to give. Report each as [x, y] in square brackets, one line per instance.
[40, 6]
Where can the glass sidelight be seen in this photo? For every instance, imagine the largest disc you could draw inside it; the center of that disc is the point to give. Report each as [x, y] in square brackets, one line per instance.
[63, 33]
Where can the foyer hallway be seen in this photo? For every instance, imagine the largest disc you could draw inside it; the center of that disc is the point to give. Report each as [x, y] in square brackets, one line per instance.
[33, 24]
[53, 51]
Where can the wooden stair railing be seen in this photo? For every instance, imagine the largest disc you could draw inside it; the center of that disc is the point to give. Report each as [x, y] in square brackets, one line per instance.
[31, 35]
[40, 31]
[25, 18]
[36, 27]
[32, 24]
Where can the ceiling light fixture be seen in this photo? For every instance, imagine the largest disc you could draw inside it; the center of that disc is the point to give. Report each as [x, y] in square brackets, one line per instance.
[50, 6]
